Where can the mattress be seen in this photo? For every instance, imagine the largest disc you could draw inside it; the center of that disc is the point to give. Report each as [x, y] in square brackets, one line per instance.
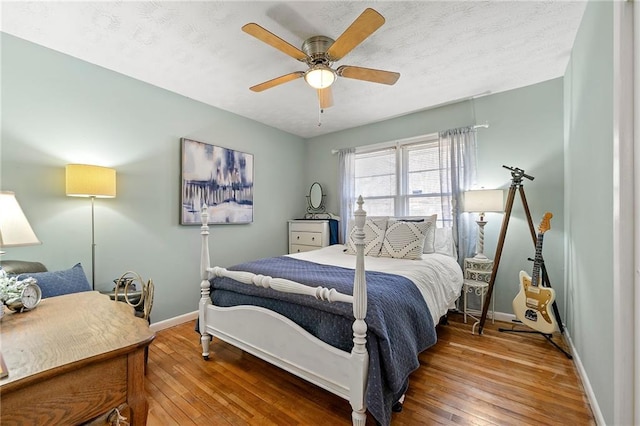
[437, 276]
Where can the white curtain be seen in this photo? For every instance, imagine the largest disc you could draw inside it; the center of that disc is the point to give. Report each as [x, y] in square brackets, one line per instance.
[458, 165]
[347, 188]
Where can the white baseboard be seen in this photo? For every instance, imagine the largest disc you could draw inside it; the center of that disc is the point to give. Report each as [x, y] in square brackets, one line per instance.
[593, 402]
[498, 316]
[171, 322]
[502, 316]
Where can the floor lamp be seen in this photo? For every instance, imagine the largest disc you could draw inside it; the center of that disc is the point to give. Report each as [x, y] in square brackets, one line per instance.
[15, 230]
[482, 201]
[83, 180]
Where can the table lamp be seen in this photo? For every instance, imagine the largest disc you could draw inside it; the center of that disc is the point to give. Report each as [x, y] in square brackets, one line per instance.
[15, 230]
[482, 201]
[84, 180]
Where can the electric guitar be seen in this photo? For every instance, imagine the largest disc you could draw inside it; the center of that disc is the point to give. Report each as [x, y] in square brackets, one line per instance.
[532, 303]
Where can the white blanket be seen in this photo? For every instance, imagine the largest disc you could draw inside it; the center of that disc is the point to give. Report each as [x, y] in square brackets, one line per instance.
[437, 276]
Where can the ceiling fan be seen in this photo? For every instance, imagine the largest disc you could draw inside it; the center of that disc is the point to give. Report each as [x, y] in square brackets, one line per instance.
[320, 52]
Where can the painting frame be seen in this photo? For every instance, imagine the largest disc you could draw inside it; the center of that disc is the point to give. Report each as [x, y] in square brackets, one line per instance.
[220, 178]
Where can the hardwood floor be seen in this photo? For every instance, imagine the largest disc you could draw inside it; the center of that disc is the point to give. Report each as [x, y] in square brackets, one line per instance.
[493, 379]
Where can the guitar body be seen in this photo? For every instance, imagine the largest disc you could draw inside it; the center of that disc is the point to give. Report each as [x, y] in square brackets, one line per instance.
[532, 305]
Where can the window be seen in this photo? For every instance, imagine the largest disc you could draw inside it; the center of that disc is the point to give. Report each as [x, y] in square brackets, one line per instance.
[405, 180]
[376, 181]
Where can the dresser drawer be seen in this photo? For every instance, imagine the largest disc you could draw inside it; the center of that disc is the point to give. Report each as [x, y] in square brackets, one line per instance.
[306, 235]
[296, 248]
[306, 238]
[307, 226]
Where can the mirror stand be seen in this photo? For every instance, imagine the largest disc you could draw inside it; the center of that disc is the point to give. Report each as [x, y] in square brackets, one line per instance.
[313, 209]
[315, 202]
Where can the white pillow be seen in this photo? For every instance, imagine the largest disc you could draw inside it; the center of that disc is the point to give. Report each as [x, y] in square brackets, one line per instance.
[444, 242]
[429, 241]
[374, 230]
[405, 240]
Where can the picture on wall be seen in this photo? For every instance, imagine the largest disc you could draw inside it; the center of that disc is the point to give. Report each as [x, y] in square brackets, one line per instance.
[220, 178]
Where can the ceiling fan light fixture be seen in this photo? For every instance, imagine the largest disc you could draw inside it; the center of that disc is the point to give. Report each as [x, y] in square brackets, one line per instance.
[320, 76]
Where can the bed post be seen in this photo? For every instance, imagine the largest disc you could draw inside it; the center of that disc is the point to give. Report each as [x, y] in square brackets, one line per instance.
[359, 354]
[205, 300]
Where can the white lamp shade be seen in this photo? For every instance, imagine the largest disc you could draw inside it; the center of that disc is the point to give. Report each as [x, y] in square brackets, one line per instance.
[484, 200]
[83, 180]
[14, 227]
[320, 76]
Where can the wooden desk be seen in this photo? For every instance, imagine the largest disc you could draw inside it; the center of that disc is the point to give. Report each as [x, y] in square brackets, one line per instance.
[73, 359]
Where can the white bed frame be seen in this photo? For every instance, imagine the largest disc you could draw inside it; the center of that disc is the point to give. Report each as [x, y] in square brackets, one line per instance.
[281, 342]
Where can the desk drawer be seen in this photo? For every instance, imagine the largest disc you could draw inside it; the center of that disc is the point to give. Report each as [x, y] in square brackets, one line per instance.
[73, 397]
[306, 238]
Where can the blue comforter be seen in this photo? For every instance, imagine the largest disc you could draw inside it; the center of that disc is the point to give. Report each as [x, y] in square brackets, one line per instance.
[398, 319]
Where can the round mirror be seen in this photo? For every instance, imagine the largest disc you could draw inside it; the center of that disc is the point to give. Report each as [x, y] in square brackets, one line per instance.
[315, 196]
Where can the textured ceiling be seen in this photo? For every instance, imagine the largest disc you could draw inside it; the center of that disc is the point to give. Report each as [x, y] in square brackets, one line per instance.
[445, 51]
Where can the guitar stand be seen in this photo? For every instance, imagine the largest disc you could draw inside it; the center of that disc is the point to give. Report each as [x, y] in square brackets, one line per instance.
[547, 336]
[517, 176]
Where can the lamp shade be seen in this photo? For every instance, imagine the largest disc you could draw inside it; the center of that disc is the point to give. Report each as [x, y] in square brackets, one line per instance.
[14, 227]
[83, 180]
[484, 200]
[320, 76]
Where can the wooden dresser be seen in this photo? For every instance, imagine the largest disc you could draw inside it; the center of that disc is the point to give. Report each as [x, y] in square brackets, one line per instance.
[306, 235]
[72, 360]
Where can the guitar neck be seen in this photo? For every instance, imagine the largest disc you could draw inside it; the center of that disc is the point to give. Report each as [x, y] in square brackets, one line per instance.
[537, 262]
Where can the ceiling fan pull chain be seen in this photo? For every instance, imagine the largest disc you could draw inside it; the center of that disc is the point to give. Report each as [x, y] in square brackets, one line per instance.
[320, 112]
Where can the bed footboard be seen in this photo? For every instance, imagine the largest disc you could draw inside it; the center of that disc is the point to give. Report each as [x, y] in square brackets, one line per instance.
[221, 322]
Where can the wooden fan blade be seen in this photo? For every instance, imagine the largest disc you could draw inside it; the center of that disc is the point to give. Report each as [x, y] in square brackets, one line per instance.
[325, 96]
[273, 40]
[277, 81]
[368, 74]
[365, 25]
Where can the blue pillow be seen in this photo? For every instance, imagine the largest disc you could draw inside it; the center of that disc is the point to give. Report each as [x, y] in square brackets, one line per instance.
[56, 283]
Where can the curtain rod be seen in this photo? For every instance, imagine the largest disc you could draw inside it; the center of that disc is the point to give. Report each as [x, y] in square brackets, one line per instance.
[477, 126]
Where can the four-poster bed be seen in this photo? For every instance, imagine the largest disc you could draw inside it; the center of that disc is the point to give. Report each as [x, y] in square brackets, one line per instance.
[356, 334]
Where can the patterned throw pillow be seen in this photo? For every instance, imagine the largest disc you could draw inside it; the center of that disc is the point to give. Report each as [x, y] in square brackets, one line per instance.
[430, 238]
[56, 283]
[405, 240]
[374, 230]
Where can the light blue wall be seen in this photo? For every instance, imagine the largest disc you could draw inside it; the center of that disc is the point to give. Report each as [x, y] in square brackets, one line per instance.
[525, 131]
[589, 200]
[58, 110]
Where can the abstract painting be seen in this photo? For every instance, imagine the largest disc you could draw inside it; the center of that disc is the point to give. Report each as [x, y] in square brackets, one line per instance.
[220, 178]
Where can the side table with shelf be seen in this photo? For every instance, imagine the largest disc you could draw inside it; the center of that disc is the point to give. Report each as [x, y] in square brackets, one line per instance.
[477, 274]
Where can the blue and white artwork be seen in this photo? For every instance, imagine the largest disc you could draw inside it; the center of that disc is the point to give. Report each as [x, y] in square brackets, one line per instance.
[221, 179]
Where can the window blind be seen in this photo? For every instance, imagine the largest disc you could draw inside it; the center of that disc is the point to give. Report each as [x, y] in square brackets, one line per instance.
[405, 180]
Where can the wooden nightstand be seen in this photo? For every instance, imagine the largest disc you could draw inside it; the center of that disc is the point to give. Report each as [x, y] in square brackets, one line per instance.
[477, 274]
